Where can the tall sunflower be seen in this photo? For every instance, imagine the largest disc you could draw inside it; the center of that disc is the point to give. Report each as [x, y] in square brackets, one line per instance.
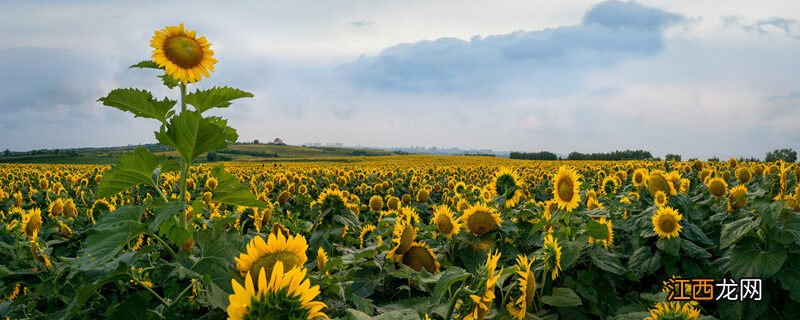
[184, 56]
[287, 295]
[481, 219]
[666, 222]
[508, 184]
[566, 188]
[290, 251]
[443, 218]
[526, 283]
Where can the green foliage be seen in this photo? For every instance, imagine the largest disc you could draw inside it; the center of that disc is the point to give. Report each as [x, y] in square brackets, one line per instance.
[216, 97]
[192, 135]
[132, 169]
[108, 238]
[139, 102]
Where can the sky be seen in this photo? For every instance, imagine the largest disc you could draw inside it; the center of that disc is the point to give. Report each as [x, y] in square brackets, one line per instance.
[696, 78]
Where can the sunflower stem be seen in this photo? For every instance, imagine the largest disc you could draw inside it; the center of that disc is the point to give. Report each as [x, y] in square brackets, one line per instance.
[453, 302]
[180, 295]
[183, 96]
[161, 241]
[150, 290]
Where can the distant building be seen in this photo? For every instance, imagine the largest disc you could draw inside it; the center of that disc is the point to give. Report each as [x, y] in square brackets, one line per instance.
[278, 142]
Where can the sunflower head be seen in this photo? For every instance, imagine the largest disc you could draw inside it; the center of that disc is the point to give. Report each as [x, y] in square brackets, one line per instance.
[184, 56]
[743, 175]
[566, 188]
[403, 236]
[717, 187]
[657, 181]
[332, 199]
[507, 184]
[419, 256]
[660, 198]
[609, 239]
[376, 203]
[481, 219]
[666, 222]
[32, 222]
[322, 258]
[526, 283]
[552, 255]
[443, 218]
[673, 310]
[592, 204]
[284, 295]
[290, 251]
[738, 198]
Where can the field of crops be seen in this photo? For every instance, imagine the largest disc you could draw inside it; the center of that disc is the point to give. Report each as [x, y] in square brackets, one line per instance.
[401, 237]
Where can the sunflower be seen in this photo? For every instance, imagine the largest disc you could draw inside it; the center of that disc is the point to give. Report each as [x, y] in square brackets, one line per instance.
[552, 255]
[376, 203]
[483, 303]
[481, 219]
[717, 187]
[657, 181]
[507, 184]
[287, 295]
[322, 258]
[211, 183]
[364, 230]
[666, 222]
[185, 57]
[673, 310]
[612, 189]
[443, 218]
[743, 175]
[566, 188]
[609, 240]
[660, 198]
[290, 250]
[420, 256]
[738, 198]
[527, 286]
[403, 237]
[331, 199]
[592, 204]
[56, 207]
[32, 223]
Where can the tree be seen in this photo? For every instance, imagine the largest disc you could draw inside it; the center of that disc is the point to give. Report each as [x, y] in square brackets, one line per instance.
[672, 157]
[255, 141]
[7, 153]
[212, 156]
[787, 155]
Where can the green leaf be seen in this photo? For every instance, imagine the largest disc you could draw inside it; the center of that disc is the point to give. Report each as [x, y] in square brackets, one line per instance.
[596, 230]
[164, 213]
[732, 232]
[671, 245]
[86, 291]
[694, 250]
[173, 228]
[230, 133]
[139, 102]
[230, 191]
[643, 262]
[216, 97]
[146, 64]
[790, 281]
[562, 297]
[748, 261]
[217, 251]
[109, 236]
[132, 169]
[169, 81]
[192, 135]
[606, 261]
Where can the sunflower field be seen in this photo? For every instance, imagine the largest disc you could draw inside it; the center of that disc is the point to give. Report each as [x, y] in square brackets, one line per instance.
[394, 237]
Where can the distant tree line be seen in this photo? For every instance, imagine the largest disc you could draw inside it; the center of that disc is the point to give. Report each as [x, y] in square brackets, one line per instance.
[787, 155]
[616, 155]
[250, 153]
[542, 155]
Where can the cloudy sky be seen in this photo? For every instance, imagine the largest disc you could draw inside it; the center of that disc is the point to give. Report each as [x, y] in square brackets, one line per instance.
[698, 78]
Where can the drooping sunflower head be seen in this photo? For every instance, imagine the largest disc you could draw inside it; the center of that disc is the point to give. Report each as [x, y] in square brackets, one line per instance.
[443, 218]
[717, 187]
[56, 207]
[291, 251]
[322, 258]
[481, 219]
[552, 255]
[32, 222]
[376, 203]
[332, 199]
[673, 310]
[743, 175]
[403, 237]
[419, 256]
[738, 198]
[482, 302]
[184, 56]
[526, 283]
[507, 184]
[285, 295]
[660, 198]
[592, 204]
[666, 222]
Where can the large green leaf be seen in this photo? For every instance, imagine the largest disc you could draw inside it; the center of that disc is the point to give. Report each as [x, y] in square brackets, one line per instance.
[86, 291]
[146, 64]
[193, 135]
[605, 260]
[596, 230]
[643, 262]
[230, 191]
[748, 261]
[216, 256]
[139, 102]
[790, 280]
[562, 297]
[132, 169]
[732, 232]
[109, 236]
[216, 97]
